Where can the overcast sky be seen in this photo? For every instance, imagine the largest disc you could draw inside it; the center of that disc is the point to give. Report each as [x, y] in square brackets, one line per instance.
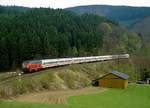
[71, 3]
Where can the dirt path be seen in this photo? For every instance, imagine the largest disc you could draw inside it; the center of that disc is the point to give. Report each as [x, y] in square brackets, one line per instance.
[56, 97]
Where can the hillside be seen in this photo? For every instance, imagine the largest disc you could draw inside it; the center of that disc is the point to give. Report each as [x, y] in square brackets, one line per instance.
[134, 18]
[13, 9]
[74, 76]
[143, 28]
[40, 33]
[123, 14]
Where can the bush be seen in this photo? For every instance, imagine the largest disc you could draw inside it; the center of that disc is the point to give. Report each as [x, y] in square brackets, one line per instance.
[74, 79]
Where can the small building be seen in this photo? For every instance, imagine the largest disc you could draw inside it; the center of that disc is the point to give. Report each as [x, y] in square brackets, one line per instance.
[114, 79]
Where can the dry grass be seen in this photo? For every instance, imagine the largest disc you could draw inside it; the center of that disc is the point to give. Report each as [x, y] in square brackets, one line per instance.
[56, 97]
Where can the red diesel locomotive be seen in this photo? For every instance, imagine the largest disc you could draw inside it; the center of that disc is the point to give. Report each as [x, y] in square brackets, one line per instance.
[36, 65]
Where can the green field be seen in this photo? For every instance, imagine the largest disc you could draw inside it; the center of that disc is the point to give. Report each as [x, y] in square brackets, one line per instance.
[136, 96]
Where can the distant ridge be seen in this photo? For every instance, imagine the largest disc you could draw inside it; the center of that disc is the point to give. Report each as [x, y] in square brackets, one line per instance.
[126, 15]
[9, 9]
[134, 18]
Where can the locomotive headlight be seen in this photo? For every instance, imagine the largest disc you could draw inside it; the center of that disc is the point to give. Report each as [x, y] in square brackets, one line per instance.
[23, 65]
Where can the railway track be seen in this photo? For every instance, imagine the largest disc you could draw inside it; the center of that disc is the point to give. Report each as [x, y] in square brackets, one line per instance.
[67, 61]
[7, 78]
[21, 75]
[18, 76]
[15, 77]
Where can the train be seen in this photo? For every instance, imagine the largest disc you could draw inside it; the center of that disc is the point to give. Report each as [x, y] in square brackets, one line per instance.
[30, 66]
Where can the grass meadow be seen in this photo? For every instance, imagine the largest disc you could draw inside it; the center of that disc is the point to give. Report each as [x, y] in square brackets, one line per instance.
[136, 96]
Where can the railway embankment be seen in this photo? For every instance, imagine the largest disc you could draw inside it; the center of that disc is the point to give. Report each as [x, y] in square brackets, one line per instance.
[62, 78]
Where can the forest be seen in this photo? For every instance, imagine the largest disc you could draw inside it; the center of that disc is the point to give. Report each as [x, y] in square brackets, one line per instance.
[39, 33]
